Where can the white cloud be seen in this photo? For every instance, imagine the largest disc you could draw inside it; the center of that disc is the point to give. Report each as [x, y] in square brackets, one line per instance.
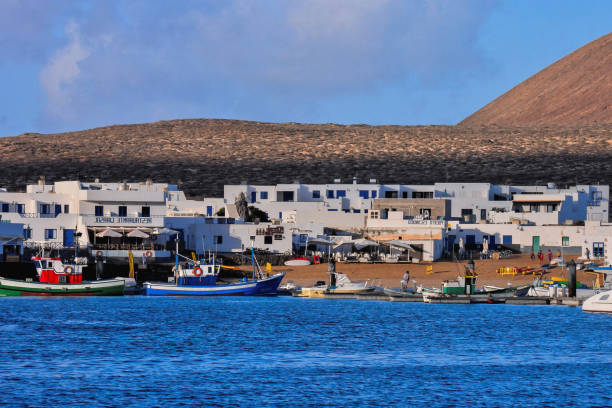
[61, 71]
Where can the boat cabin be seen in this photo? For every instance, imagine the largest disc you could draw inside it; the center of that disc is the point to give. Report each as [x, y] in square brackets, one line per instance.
[53, 270]
[196, 274]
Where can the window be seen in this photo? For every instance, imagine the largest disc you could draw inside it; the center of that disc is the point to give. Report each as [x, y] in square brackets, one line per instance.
[374, 193]
[466, 211]
[483, 214]
[564, 241]
[252, 238]
[218, 239]
[425, 212]
[598, 249]
[66, 208]
[356, 211]
[27, 233]
[50, 234]
[45, 209]
[253, 196]
[268, 240]
[316, 194]
[21, 208]
[146, 211]
[99, 210]
[263, 195]
[123, 211]
[534, 207]
[330, 193]
[364, 194]
[58, 209]
[340, 193]
[390, 194]
[404, 194]
[604, 297]
[596, 197]
[332, 209]
[5, 207]
[422, 194]
[278, 237]
[507, 239]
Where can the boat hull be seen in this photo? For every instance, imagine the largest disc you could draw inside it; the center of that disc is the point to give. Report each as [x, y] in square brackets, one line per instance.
[599, 303]
[267, 286]
[112, 287]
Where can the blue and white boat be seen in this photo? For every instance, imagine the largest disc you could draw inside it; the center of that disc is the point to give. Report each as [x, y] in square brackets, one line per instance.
[197, 278]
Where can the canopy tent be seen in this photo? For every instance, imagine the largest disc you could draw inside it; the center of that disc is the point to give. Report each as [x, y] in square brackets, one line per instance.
[109, 233]
[359, 243]
[137, 234]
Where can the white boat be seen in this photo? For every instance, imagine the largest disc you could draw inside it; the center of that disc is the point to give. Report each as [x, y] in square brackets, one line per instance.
[298, 262]
[343, 286]
[600, 303]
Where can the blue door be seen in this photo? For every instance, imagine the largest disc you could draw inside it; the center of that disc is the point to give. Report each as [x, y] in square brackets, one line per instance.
[491, 241]
[68, 237]
[58, 209]
[253, 196]
[209, 210]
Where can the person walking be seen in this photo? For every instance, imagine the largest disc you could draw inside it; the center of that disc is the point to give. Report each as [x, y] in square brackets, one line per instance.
[588, 254]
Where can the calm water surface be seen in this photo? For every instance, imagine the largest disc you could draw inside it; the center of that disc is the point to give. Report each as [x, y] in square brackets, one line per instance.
[138, 351]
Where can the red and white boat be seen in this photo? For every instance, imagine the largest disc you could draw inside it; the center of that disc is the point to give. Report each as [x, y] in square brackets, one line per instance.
[59, 278]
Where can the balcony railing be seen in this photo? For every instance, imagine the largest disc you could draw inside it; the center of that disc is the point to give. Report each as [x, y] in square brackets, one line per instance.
[38, 215]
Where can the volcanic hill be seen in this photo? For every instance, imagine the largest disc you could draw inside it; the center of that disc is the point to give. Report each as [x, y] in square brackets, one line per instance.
[201, 155]
[575, 90]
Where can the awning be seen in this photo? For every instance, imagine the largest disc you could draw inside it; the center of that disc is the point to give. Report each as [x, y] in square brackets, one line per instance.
[321, 241]
[403, 244]
[137, 234]
[164, 230]
[358, 243]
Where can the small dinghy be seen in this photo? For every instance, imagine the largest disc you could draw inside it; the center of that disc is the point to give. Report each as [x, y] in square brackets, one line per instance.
[297, 262]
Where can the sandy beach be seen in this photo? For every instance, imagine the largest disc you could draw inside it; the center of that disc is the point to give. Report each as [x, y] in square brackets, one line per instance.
[389, 275]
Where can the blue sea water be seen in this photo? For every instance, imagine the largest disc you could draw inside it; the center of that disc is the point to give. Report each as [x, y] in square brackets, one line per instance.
[176, 352]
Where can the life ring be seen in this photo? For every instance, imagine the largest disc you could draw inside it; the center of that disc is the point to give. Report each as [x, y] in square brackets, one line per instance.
[148, 254]
[99, 253]
[316, 259]
[68, 269]
[197, 271]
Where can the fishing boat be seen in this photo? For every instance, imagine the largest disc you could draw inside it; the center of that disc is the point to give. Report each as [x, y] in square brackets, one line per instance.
[199, 278]
[59, 278]
[599, 303]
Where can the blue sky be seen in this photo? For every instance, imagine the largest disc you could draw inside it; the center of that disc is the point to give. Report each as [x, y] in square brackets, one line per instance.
[70, 65]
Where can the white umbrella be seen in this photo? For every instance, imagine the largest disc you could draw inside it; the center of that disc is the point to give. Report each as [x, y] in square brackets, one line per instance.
[137, 234]
[108, 233]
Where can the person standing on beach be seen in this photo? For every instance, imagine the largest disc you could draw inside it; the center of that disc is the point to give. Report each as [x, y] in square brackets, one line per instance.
[588, 254]
[549, 256]
[540, 256]
[405, 280]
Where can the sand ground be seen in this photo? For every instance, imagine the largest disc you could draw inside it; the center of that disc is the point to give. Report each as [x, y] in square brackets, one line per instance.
[389, 275]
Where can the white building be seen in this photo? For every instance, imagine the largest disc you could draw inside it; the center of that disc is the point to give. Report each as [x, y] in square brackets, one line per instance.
[340, 205]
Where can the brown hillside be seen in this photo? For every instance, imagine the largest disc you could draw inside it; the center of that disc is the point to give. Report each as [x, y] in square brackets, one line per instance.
[203, 155]
[577, 89]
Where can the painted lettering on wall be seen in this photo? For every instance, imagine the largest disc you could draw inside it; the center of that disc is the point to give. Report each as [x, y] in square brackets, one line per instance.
[124, 220]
